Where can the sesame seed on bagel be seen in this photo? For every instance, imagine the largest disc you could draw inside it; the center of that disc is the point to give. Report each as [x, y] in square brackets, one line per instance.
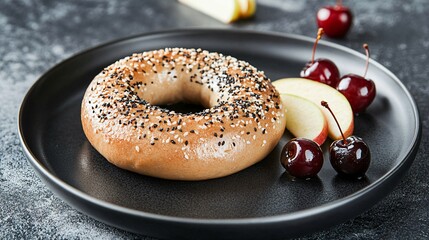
[242, 122]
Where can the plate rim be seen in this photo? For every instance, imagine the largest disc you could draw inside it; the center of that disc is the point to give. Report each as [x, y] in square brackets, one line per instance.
[300, 214]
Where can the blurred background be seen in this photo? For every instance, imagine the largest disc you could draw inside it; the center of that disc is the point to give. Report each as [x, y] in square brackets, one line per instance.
[36, 35]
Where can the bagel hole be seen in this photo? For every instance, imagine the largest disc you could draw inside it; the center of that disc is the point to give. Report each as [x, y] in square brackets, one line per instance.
[183, 107]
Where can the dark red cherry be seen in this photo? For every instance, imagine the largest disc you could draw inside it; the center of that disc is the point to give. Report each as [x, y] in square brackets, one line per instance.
[335, 20]
[321, 69]
[302, 158]
[357, 89]
[348, 156]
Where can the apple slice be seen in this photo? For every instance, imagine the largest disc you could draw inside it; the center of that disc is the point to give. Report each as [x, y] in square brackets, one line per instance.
[247, 8]
[304, 118]
[224, 10]
[317, 92]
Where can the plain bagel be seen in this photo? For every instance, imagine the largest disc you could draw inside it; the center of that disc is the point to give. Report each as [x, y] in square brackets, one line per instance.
[242, 123]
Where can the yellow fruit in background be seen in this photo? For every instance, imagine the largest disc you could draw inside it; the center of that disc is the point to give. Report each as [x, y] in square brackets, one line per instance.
[223, 10]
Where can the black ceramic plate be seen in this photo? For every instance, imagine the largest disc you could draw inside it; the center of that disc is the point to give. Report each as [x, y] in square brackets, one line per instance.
[259, 202]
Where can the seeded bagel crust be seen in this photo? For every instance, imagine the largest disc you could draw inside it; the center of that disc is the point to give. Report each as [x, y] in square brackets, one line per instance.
[242, 123]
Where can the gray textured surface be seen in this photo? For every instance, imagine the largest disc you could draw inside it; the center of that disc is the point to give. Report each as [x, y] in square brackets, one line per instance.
[35, 35]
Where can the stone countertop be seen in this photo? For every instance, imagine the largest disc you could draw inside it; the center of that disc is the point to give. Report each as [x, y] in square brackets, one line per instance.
[35, 35]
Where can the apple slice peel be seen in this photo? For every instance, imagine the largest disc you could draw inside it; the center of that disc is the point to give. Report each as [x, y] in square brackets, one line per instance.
[317, 92]
[304, 118]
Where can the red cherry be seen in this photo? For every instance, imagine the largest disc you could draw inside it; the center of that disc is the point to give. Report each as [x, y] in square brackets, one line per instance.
[321, 70]
[302, 158]
[335, 20]
[350, 156]
[358, 90]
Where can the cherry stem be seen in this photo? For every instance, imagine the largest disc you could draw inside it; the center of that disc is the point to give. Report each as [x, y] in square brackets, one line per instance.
[319, 36]
[339, 2]
[365, 46]
[325, 104]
